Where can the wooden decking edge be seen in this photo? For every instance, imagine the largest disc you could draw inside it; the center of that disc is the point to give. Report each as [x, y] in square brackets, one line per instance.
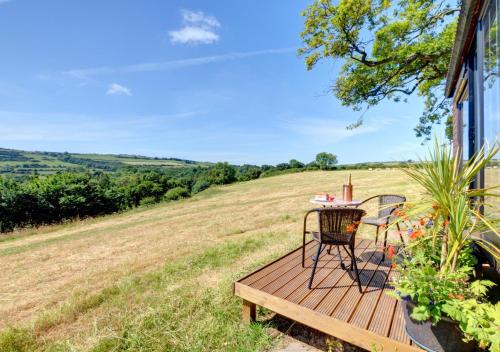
[326, 324]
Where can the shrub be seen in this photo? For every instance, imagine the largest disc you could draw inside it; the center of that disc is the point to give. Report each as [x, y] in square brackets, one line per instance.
[148, 201]
[275, 172]
[248, 172]
[222, 173]
[201, 185]
[176, 193]
[282, 166]
[295, 164]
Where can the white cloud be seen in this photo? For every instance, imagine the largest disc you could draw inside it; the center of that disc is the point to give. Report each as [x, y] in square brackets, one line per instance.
[198, 29]
[85, 73]
[4, 1]
[116, 89]
[193, 35]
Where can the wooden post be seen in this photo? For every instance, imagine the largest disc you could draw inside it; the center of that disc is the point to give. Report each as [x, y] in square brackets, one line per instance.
[248, 312]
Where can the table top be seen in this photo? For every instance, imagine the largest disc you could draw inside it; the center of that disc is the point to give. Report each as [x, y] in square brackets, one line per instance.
[336, 203]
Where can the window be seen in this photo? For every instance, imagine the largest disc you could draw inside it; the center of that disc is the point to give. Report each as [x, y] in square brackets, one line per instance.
[491, 97]
[463, 124]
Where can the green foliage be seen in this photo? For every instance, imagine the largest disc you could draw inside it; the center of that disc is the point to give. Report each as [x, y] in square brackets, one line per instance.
[449, 202]
[421, 281]
[437, 262]
[201, 184]
[148, 201]
[282, 166]
[478, 320]
[17, 340]
[295, 164]
[389, 50]
[222, 173]
[326, 161]
[21, 163]
[176, 193]
[248, 172]
[275, 172]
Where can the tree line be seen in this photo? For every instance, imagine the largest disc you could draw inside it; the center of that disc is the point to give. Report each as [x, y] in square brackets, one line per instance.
[39, 200]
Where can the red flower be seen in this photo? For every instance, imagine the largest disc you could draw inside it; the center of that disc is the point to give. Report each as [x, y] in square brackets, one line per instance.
[352, 227]
[416, 234]
[422, 222]
[391, 251]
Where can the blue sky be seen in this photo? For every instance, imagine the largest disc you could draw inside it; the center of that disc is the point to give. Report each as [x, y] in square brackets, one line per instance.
[202, 80]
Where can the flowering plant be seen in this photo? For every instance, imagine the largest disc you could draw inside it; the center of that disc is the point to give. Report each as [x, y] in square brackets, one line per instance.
[436, 265]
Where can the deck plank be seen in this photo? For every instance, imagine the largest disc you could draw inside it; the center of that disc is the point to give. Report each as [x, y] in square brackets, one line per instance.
[383, 315]
[302, 290]
[301, 280]
[280, 263]
[334, 305]
[349, 303]
[366, 307]
[323, 289]
[337, 293]
[292, 268]
[398, 331]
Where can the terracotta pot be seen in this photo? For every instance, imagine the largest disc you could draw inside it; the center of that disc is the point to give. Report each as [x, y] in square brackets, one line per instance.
[445, 336]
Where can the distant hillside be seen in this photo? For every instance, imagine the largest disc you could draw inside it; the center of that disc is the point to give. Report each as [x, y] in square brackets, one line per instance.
[19, 162]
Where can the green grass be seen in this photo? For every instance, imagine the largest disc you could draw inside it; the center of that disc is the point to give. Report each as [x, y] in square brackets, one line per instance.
[160, 278]
[168, 309]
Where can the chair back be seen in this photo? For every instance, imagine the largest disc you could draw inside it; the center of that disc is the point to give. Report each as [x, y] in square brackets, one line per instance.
[388, 203]
[339, 224]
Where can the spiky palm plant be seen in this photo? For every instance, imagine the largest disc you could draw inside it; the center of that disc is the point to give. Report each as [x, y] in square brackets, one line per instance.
[455, 214]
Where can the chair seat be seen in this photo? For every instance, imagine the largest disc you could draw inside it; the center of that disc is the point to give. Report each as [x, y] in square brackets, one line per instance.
[374, 221]
[340, 239]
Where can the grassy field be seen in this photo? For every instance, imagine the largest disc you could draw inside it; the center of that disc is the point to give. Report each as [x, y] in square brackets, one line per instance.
[19, 162]
[159, 278]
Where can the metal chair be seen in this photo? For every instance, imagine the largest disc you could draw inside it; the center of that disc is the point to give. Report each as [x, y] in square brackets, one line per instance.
[387, 204]
[336, 227]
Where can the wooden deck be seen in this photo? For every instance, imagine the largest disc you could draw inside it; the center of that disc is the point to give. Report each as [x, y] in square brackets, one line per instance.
[371, 319]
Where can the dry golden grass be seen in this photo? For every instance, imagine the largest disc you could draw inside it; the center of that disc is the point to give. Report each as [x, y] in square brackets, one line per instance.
[47, 270]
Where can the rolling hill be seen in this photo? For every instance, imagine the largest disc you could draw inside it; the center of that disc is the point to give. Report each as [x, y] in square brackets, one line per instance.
[19, 162]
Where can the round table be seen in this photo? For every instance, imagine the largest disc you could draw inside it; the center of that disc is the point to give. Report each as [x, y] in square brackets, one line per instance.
[337, 203]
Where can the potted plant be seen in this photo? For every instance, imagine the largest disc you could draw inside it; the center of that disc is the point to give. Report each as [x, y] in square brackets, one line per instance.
[445, 305]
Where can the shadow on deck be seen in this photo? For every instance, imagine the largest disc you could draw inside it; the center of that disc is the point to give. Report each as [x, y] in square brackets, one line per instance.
[334, 306]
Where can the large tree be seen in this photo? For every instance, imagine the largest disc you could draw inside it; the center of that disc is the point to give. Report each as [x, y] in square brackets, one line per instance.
[326, 160]
[390, 50]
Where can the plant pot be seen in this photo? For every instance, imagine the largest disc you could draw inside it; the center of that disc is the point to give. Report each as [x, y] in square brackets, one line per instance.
[445, 336]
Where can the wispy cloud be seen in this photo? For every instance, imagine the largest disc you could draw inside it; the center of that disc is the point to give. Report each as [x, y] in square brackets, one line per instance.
[198, 18]
[86, 73]
[326, 130]
[4, 1]
[117, 89]
[198, 28]
[70, 127]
